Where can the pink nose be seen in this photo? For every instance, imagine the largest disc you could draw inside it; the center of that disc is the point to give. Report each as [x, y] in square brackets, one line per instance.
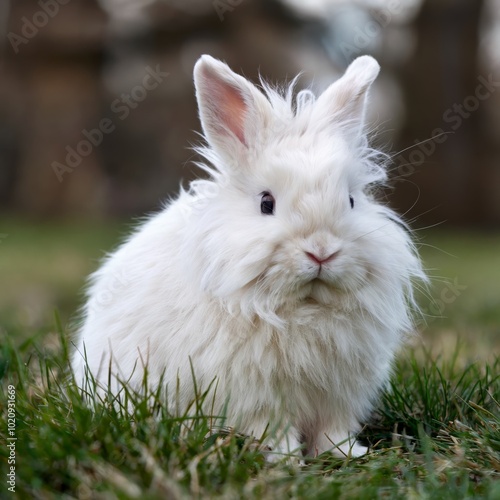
[320, 260]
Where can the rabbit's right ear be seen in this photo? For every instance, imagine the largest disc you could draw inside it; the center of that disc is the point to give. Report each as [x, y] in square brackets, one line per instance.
[232, 110]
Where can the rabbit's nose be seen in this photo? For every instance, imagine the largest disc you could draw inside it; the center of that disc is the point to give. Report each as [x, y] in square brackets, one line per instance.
[319, 259]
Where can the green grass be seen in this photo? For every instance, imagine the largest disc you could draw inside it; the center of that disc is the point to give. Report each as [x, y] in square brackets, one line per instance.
[45, 267]
[471, 260]
[436, 433]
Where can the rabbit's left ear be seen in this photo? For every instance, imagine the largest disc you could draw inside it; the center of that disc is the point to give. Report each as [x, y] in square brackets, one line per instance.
[344, 102]
[232, 110]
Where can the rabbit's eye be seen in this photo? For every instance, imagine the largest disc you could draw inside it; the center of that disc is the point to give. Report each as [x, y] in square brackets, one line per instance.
[351, 200]
[267, 204]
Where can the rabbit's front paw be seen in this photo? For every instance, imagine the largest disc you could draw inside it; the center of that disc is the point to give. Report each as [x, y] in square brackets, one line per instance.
[283, 447]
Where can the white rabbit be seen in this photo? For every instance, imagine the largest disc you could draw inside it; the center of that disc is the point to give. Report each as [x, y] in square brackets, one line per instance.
[281, 279]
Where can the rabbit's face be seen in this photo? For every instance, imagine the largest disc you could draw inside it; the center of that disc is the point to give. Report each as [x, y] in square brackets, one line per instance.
[302, 229]
[292, 219]
[315, 254]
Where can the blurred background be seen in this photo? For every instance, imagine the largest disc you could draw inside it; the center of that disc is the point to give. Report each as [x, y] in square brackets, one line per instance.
[97, 117]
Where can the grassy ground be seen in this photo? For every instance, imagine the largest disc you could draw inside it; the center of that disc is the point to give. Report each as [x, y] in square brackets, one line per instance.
[436, 433]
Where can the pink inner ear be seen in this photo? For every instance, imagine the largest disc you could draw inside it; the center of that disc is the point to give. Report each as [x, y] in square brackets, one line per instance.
[227, 106]
[231, 110]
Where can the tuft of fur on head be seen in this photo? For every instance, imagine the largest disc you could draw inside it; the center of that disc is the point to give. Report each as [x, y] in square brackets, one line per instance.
[279, 115]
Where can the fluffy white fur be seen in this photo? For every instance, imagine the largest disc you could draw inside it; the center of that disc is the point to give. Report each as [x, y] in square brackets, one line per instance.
[213, 283]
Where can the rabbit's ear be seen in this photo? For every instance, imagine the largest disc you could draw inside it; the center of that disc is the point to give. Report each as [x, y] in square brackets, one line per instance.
[343, 103]
[232, 110]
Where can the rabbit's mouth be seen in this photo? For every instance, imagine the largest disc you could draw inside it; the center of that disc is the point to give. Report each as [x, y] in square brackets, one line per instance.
[322, 292]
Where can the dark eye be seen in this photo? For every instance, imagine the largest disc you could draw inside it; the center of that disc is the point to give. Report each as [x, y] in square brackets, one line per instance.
[267, 204]
[351, 199]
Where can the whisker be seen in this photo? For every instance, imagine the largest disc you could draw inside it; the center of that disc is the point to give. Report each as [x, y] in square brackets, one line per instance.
[434, 137]
[434, 247]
